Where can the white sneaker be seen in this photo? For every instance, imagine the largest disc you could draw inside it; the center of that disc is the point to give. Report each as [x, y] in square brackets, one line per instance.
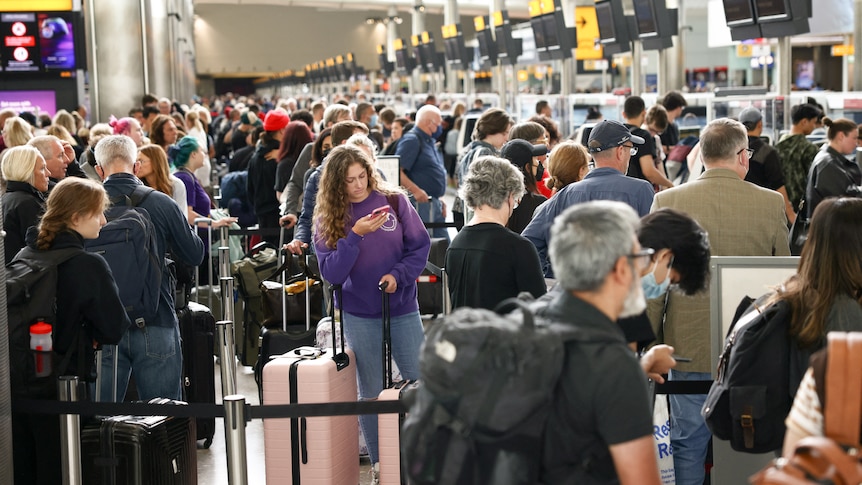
[375, 474]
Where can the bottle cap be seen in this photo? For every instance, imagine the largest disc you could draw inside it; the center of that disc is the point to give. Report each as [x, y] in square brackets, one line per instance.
[40, 328]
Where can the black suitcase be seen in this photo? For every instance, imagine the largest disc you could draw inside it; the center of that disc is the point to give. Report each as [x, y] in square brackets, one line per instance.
[197, 329]
[140, 450]
[277, 341]
[430, 286]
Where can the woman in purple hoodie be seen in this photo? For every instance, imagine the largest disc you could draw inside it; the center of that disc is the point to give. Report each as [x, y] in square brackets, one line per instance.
[360, 247]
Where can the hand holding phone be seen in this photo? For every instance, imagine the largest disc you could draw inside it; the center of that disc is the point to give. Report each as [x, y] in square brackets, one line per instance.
[380, 211]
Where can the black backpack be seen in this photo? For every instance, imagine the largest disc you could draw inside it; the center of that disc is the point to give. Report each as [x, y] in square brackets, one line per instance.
[478, 415]
[751, 395]
[128, 244]
[31, 293]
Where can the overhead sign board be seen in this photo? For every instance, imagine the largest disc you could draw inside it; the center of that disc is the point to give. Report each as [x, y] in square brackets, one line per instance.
[587, 26]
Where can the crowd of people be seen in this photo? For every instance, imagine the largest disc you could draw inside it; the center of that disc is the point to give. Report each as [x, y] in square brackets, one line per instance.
[604, 220]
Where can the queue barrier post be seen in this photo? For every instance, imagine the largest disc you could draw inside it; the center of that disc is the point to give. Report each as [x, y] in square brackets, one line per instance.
[235, 439]
[70, 433]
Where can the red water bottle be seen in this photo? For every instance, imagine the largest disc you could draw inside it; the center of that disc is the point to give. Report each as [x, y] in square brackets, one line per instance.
[41, 343]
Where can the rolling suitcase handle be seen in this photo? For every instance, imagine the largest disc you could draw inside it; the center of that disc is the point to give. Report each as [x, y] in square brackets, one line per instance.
[387, 336]
[209, 223]
[342, 360]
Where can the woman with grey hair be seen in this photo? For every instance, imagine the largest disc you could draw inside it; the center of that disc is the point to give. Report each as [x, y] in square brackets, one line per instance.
[486, 262]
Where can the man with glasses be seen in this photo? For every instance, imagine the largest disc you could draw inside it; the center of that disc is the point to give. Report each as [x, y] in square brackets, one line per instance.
[741, 219]
[765, 167]
[600, 426]
[611, 145]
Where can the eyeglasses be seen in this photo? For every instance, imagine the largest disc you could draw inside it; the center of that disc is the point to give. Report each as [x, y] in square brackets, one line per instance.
[632, 149]
[749, 151]
[643, 256]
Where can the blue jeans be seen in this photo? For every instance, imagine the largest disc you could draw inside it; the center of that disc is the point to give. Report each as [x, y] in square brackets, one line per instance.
[365, 337]
[437, 206]
[153, 356]
[689, 435]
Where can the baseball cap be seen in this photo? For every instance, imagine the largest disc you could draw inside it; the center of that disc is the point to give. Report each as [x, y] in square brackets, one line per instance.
[521, 152]
[750, 117]
[610, 134]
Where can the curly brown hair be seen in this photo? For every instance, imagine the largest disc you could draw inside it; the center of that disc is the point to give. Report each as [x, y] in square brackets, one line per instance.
[332, 211]
[71, 197]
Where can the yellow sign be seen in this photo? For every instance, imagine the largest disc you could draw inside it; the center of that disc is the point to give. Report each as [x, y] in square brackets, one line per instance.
[381, 48]
[498, 18]
[426, 37]
[535, 8]
[744, 50]
[34, 5]
[587, 26]
[449, 31]
[398, 44]
[414, 40]
[547, 6]
[479, 23]
[842, 50]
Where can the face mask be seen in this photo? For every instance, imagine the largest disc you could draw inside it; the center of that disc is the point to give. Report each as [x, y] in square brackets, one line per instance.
[540, 172]
[373, 121]
[437, 132]
[325, 153]
[653, 289]
[635, 303]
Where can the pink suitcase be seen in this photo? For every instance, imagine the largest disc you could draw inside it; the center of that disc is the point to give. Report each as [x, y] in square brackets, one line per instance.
[320, 450]
[389, 425]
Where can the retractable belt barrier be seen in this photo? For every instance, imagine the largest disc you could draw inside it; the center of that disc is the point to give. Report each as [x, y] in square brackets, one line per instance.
[683, 387]
[200, 410]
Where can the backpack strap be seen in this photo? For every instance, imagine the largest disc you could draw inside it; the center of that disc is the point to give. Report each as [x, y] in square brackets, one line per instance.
[842, 412]
[134, 198]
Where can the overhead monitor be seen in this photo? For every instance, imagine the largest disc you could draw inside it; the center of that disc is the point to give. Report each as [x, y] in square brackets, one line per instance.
[501, 41]
[607, 26]
[485, 39]
[738, 12]
[538, 33]
[549, 26]
[772, 10]
[645, 18]
[40, 41]
[508, 47]
[613, 27]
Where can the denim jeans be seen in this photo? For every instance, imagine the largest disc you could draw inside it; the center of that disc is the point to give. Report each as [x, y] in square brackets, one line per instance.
[689, 435]
[365, 337]
[423, 210]
[152, 355]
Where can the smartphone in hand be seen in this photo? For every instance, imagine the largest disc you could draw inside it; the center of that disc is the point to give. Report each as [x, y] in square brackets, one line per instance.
[380, 211]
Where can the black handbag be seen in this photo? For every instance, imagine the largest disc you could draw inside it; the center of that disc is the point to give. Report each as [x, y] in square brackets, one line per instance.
[298, 292]
[799, 230]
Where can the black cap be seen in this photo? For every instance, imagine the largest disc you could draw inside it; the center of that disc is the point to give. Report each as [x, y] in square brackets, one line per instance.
[610, 134]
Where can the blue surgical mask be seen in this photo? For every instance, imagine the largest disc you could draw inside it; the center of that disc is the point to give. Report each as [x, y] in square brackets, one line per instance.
[373, 121]
[653, 289]
[437, 132]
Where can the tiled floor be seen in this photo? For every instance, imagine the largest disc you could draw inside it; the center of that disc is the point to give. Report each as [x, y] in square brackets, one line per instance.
[212, 462]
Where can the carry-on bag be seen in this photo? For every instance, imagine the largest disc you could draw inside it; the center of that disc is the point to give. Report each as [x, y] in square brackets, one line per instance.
[140, 450]
[389, 425]
[197, 329]
[311, 450]
[431, 292]
[257, 264]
